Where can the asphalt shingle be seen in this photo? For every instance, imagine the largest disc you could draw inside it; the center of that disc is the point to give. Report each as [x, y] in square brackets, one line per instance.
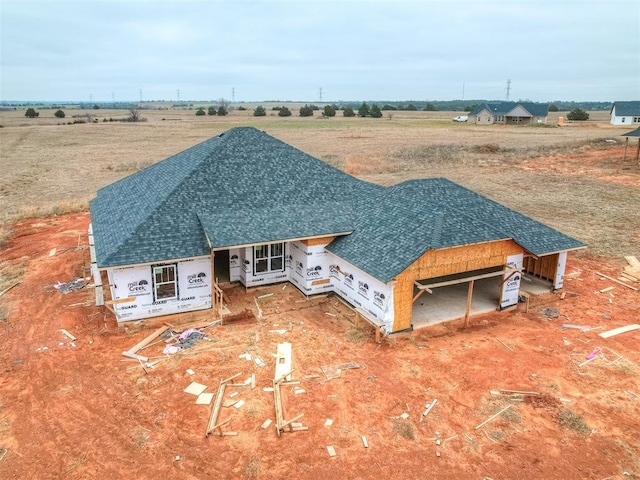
[245, 187]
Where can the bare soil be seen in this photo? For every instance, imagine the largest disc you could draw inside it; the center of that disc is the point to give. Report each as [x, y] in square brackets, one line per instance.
[81, 410]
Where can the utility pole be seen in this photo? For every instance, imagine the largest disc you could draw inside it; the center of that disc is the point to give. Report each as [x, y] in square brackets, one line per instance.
[140, 95]
[508, 88]
[91, 98]
[233, 94]
[320, 94]
[178, 93]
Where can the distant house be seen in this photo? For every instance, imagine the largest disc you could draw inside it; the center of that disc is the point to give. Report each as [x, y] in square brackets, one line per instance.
[509, 113]
[245, 207]
[625, 113]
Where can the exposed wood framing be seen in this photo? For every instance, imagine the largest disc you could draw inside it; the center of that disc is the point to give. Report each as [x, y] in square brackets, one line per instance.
[444, 262]
[459, 280]
[214, 426]
[468, 308]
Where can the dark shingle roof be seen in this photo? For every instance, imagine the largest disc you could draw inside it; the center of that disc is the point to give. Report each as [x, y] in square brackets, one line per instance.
[152, 215]
[502, 108]
[626, 108]
[406, 220]
[633, 133]
[245, 187]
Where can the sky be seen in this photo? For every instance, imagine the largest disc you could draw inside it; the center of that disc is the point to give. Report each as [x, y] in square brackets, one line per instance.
[319, 51]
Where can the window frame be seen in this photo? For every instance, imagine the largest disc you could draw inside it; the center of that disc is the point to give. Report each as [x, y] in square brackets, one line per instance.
[267, 254]
[170, 273]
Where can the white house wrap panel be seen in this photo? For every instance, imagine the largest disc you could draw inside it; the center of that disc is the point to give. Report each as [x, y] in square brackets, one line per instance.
[189, 281]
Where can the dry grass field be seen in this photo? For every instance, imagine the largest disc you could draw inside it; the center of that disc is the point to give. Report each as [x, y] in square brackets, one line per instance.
[568, 177]
[72, 408]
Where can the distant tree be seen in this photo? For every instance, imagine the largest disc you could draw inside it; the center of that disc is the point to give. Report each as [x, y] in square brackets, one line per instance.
[430, 107]
[259, 111]
[314, 107]
[134, 115]
[553, 108]
[96, 106]
[348, 112]
[241, 108]
[375, 111]
[411, 107]
[386, 106]
[329, 111]
[223, 108]
[31, 113]
[306, 111]
[284, 112]
[363, 111]
[212, 111]
[200, 111]
[59, 113]
[277, 109]
[577, 114]
[468, 108]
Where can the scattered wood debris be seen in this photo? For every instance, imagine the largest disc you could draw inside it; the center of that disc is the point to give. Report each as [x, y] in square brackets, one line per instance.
[335, 371]
[331, 450]
[68, 335]
[617, 281]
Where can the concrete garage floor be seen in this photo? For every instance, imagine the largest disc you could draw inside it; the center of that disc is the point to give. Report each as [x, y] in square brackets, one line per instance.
[449, 303]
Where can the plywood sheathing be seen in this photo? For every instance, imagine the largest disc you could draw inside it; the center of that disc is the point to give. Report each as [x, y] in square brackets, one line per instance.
[447, 261]
[542, 267]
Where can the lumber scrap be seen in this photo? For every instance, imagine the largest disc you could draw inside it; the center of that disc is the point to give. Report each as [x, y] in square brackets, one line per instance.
[213, 426]
[119, 300]
[618, 331]
[283, 361]
[135, 356]
[617, 281]
[504, 344]
[633, 262]
[68, 335]
[9, 288]
[147, 340]
[493, 416]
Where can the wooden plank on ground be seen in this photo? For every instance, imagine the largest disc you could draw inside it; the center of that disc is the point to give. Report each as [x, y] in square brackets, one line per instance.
[617, 281]
[283, 361]
[633, 261]
[331, 450]
[618, 331]
[493, 416]
[68, 335]
[147, 340]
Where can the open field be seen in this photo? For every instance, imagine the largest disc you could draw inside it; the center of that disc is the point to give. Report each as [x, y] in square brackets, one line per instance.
[566, 177]
[78, 409]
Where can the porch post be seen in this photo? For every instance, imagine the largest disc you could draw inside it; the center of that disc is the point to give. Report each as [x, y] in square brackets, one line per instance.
[468, 309]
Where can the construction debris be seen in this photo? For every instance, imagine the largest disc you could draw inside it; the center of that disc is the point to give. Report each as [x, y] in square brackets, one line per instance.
[214, 426]
[618, 331]
[582, 328]
[72, 286]
[617, 281]
[195, 388]
[331, 450]
[504, 344]
[335, 371]
[68, 335]
[493, 417]
[428, 408]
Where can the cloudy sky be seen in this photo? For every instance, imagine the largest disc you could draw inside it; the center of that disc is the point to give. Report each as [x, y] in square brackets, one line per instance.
[287, 50]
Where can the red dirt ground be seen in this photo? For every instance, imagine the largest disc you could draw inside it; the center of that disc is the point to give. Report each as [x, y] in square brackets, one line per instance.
[87, 412]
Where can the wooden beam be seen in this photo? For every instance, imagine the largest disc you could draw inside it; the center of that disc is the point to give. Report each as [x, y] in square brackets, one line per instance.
[617, 281]
[468, 308]
[460, 280]
[120, 300]
[148, 339]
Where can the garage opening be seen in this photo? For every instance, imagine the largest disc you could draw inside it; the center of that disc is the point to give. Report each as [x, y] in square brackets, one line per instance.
[449, 296]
